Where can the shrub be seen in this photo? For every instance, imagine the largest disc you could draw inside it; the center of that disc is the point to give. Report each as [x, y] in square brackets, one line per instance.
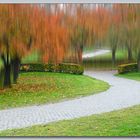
[32, 67]
[124, 68]
[52, 67]
[63, 67]
[71, 68]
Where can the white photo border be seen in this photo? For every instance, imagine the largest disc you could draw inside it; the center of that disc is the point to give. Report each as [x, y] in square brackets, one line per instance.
[69, 1]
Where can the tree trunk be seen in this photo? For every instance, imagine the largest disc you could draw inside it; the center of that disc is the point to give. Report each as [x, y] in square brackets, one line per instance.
[129, 54]
[113, 56]
[2, 72]
[80, 51]
[7, 79]
[76, 60]
[138, 61]
[15, 68]
[7, 70]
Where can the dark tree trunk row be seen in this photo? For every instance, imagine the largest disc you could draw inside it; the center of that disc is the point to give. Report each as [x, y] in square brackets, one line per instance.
[114, 55]
[80, 52]
[11, 70]
[15, 68]
[7, 77]
[129, 54]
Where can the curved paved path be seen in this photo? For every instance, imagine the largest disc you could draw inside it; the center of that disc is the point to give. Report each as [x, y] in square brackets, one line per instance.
[122, 93]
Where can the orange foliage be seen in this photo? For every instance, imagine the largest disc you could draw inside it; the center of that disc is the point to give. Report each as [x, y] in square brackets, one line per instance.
[60, 32]
[50, 35]
[25, 25]
[15, 30]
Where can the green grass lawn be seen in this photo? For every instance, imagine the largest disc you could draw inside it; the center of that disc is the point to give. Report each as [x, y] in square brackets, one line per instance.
[43, 87]
[131, 75]
[124, 122]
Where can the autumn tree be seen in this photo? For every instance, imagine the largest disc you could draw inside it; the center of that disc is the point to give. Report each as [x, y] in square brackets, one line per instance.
[128, 29]
[136, 31]
[51, 34]
[15, 38]
[114, 30]
[74, 24]
[97, 24]
[128, 26]
[86, 25]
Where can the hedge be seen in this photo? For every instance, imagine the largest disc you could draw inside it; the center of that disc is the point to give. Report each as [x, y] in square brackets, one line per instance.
[63, 67]
[124, 68]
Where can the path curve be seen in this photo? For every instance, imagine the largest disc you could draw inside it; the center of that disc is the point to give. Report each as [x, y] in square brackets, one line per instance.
[122, 93]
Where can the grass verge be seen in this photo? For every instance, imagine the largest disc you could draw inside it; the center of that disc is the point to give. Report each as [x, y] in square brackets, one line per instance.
[130, 75]
[125, 122]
